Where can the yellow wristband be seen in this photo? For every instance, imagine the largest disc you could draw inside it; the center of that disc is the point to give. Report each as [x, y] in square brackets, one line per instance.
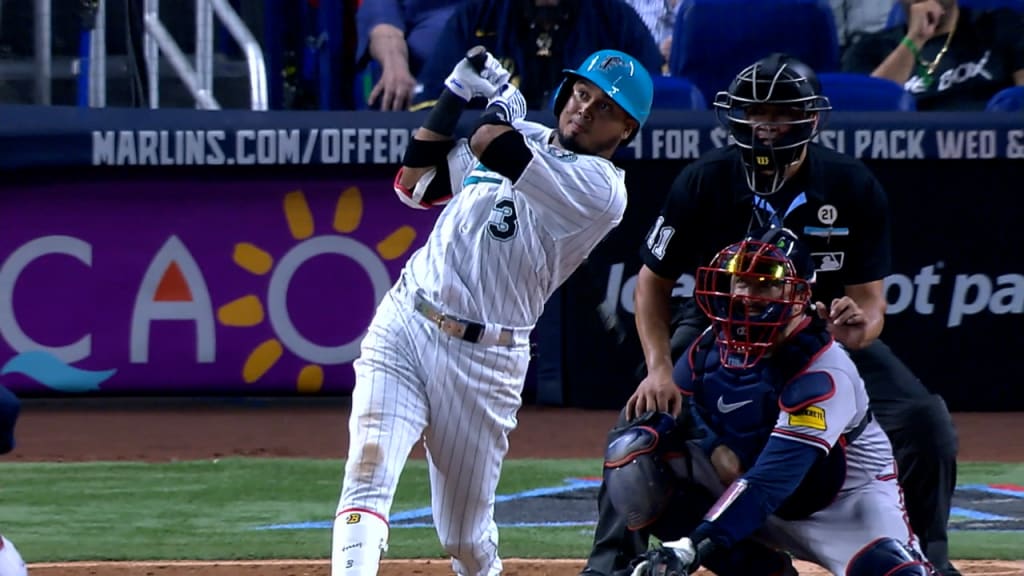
[911, 46]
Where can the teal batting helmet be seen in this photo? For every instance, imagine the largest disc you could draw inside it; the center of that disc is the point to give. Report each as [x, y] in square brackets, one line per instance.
[622, 77]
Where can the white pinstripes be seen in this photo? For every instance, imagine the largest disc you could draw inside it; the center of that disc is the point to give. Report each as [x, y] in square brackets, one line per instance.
[564, 204]
[412, 380]
[415, 381]
[11, 563]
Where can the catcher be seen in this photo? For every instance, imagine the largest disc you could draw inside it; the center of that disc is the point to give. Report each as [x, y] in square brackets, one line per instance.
[777, 452]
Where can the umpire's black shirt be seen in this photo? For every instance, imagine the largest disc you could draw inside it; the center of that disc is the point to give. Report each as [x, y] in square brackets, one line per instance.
[834, 204]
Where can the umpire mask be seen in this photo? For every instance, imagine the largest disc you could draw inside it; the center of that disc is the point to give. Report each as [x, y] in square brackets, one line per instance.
[772, 109]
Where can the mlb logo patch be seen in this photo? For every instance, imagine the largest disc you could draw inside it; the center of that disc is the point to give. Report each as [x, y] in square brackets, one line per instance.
[828, 261]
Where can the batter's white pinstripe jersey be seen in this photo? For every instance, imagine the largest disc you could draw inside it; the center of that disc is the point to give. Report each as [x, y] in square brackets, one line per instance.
[500, 249]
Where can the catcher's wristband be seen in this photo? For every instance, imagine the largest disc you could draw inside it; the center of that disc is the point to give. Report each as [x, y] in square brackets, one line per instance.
[444, 117]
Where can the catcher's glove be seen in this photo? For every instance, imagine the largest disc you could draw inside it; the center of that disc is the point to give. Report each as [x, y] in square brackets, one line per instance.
[678, 558]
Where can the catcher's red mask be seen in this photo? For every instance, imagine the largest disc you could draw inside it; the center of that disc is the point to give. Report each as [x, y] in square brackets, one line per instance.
[749, 292]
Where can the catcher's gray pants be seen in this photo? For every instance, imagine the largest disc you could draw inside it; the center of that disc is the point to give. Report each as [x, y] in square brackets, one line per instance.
[833, 536]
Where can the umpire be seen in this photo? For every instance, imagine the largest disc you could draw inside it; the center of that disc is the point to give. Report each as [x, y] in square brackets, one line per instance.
[774, 174]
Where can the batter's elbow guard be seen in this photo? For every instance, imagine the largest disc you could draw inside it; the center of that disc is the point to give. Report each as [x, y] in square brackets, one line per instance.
[638, 480]
[432, 189]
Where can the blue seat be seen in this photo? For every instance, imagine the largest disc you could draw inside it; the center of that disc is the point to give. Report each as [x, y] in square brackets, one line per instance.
[713, 40]
[1007, 100]
[859, 92]
[898, 17]
[675, 93]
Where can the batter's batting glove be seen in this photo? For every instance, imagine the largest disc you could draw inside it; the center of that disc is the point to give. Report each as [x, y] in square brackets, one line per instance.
[677, 558]
[509, 102]
[467, 83]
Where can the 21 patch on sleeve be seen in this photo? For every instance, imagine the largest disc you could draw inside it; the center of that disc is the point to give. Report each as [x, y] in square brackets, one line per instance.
[810, 417]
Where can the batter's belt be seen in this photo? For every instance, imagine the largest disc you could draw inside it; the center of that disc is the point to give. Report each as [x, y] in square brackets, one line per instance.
[467, 330]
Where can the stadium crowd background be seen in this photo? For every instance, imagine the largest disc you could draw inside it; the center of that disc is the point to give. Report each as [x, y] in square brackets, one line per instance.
[394, 54]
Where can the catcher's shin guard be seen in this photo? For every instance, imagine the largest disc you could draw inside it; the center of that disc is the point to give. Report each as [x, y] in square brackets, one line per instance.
[890, 557]
[360, 537]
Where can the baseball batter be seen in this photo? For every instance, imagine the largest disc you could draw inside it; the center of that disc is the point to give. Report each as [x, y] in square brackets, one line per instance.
[783, 448]
[446, 355]
[11, 563]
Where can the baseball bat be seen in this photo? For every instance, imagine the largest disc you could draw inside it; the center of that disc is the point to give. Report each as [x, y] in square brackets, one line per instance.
[477, 56]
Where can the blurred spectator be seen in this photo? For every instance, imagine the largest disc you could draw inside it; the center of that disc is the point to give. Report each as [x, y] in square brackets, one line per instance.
[399, 35]
[949, 57]
[660, 18]
[857, 17]
[535, 40]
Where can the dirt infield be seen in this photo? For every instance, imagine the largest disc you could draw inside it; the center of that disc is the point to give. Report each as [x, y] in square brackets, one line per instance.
[184, 430]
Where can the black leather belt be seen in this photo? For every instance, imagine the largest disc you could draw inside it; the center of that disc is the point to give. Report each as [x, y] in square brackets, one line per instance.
[457, 327]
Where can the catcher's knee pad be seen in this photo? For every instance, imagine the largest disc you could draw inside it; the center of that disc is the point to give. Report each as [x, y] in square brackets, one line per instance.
[637, 477]
[888, 557]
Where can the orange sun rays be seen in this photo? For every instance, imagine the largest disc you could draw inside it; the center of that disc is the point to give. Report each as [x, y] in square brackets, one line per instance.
[249, 310]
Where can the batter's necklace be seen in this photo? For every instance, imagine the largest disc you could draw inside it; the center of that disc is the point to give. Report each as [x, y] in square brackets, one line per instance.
[927, 69]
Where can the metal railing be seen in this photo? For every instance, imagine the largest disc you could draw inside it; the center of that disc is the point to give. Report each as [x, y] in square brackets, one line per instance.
[93, 62]
[199, 80]
[43, 54]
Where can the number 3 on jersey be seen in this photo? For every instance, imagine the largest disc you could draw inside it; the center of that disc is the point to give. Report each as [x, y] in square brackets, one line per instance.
[503, 224]
[657, 240]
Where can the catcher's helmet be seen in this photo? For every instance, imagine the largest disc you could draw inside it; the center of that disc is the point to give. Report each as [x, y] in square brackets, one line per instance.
[769, 147]
[622, 77]
[749, 292]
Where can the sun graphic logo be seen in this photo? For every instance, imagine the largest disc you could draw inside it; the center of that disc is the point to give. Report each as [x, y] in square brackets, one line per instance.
[251, 310]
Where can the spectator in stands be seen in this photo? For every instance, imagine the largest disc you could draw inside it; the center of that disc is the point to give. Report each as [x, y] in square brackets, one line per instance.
[660, 18]
[535, 40]
[857, 17]
[399, 35]
[947, 56]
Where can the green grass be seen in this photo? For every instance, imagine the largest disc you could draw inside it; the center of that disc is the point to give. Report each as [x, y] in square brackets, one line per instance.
[207, 509]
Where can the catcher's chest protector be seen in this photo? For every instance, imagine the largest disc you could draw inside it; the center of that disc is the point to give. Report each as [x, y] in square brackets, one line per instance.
[743, 405]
